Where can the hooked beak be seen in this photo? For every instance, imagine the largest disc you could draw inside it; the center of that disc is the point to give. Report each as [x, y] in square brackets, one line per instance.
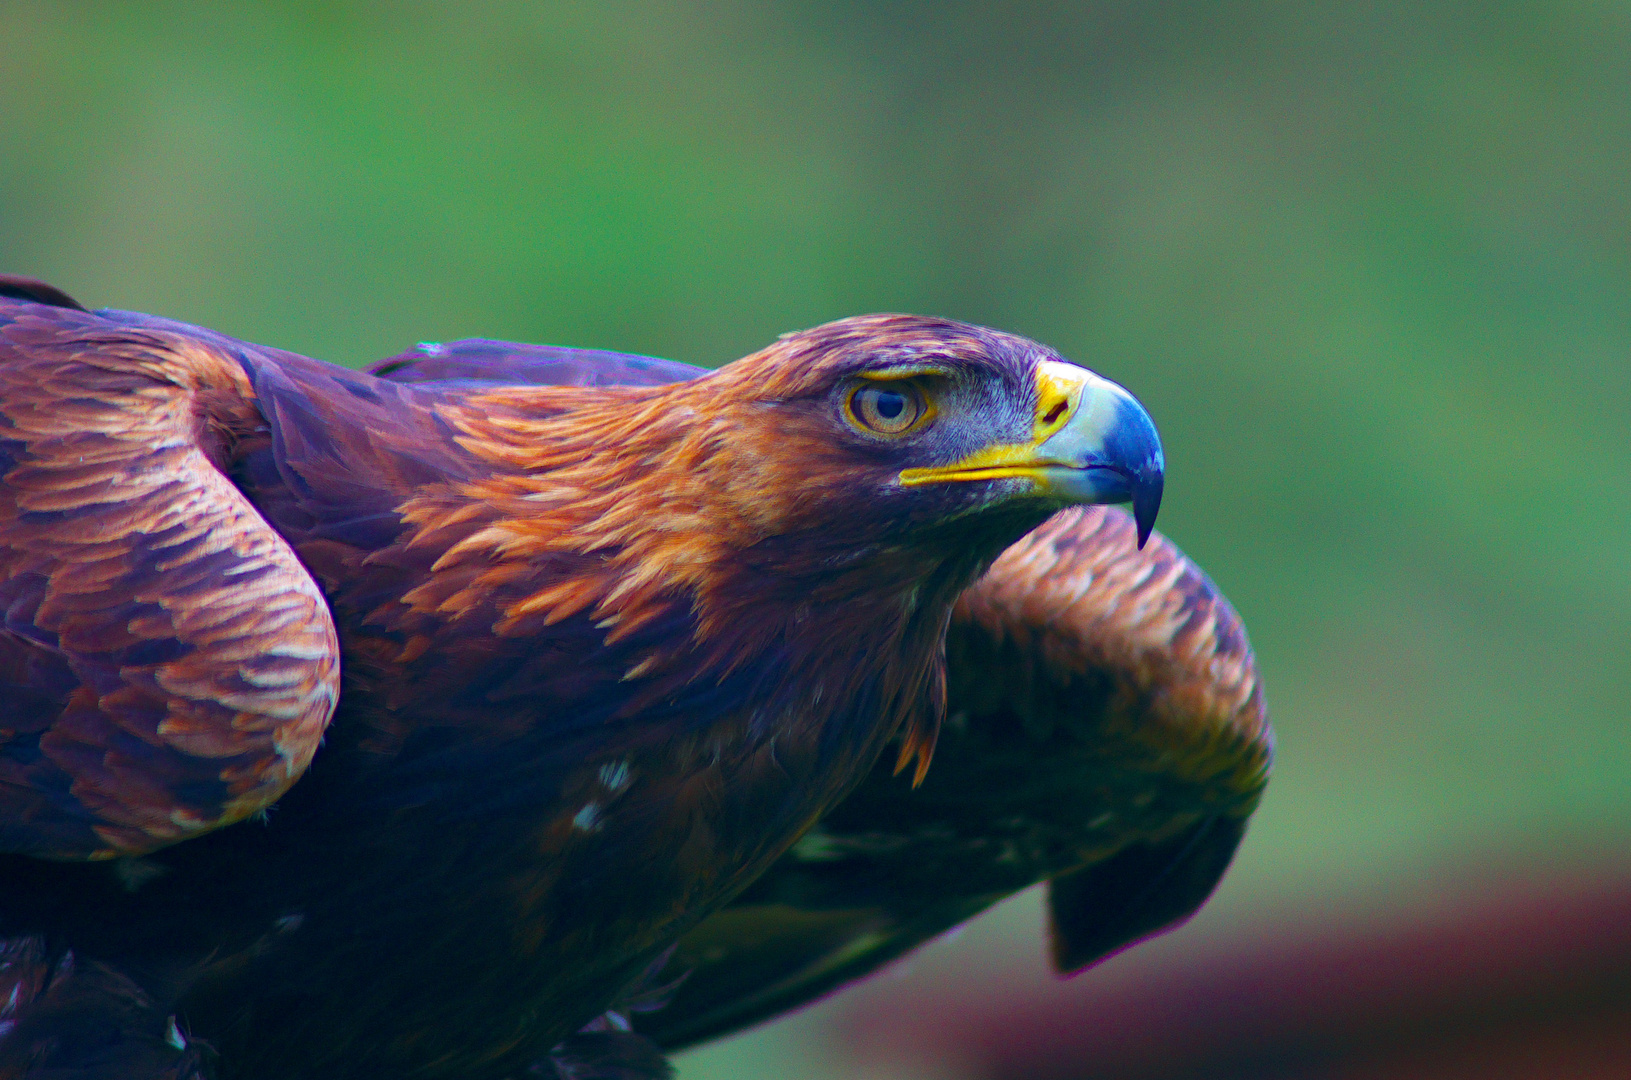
[1091, 442]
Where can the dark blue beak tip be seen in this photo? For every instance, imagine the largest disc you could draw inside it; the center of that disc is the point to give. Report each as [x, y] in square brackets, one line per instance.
[1137, 448]
[1146, 503]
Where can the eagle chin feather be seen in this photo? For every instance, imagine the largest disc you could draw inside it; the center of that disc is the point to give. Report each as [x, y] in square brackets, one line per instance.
[922, 728]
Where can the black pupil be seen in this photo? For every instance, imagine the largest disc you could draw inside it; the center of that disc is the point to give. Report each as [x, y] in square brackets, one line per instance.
[890, 404]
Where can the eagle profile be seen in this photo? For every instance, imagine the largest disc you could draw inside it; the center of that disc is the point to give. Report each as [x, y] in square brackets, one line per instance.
[551, 674]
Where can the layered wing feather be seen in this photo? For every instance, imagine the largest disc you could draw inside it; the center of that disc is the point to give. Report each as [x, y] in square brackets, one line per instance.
[1106, 733]
[167, 665]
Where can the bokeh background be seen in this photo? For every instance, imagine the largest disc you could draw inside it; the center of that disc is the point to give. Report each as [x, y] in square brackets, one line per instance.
[1368, 264]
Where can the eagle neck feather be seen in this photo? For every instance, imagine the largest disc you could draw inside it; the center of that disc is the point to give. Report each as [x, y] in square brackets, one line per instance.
[627, 508]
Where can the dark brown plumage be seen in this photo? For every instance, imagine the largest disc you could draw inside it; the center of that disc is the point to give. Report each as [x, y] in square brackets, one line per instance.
[607, 652]
[1106, 734]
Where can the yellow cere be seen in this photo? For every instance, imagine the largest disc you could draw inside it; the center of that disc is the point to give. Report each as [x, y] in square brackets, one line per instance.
[1059, 390]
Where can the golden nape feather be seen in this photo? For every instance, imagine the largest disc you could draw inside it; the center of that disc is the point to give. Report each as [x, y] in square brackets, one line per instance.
[615, 633]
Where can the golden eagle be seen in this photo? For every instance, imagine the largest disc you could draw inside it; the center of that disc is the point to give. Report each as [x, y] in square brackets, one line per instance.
[547, 678]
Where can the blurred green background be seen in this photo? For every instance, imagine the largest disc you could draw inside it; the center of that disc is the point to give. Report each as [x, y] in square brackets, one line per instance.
[1369, 266]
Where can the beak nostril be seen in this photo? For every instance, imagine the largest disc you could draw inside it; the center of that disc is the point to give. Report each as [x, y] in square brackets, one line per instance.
[1055, 412]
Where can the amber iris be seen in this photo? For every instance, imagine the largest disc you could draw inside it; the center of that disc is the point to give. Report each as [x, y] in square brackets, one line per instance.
[891, 408]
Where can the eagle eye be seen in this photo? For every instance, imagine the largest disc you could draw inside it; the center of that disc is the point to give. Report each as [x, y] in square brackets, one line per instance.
[888, 408]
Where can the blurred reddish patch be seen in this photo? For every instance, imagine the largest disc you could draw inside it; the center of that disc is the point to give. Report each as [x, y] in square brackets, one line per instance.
[1518, 980]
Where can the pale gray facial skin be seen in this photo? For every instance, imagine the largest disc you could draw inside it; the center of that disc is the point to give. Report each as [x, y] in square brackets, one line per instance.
[1091, 442]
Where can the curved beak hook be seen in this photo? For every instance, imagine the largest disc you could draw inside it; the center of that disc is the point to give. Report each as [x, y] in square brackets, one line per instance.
[1108, 451]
